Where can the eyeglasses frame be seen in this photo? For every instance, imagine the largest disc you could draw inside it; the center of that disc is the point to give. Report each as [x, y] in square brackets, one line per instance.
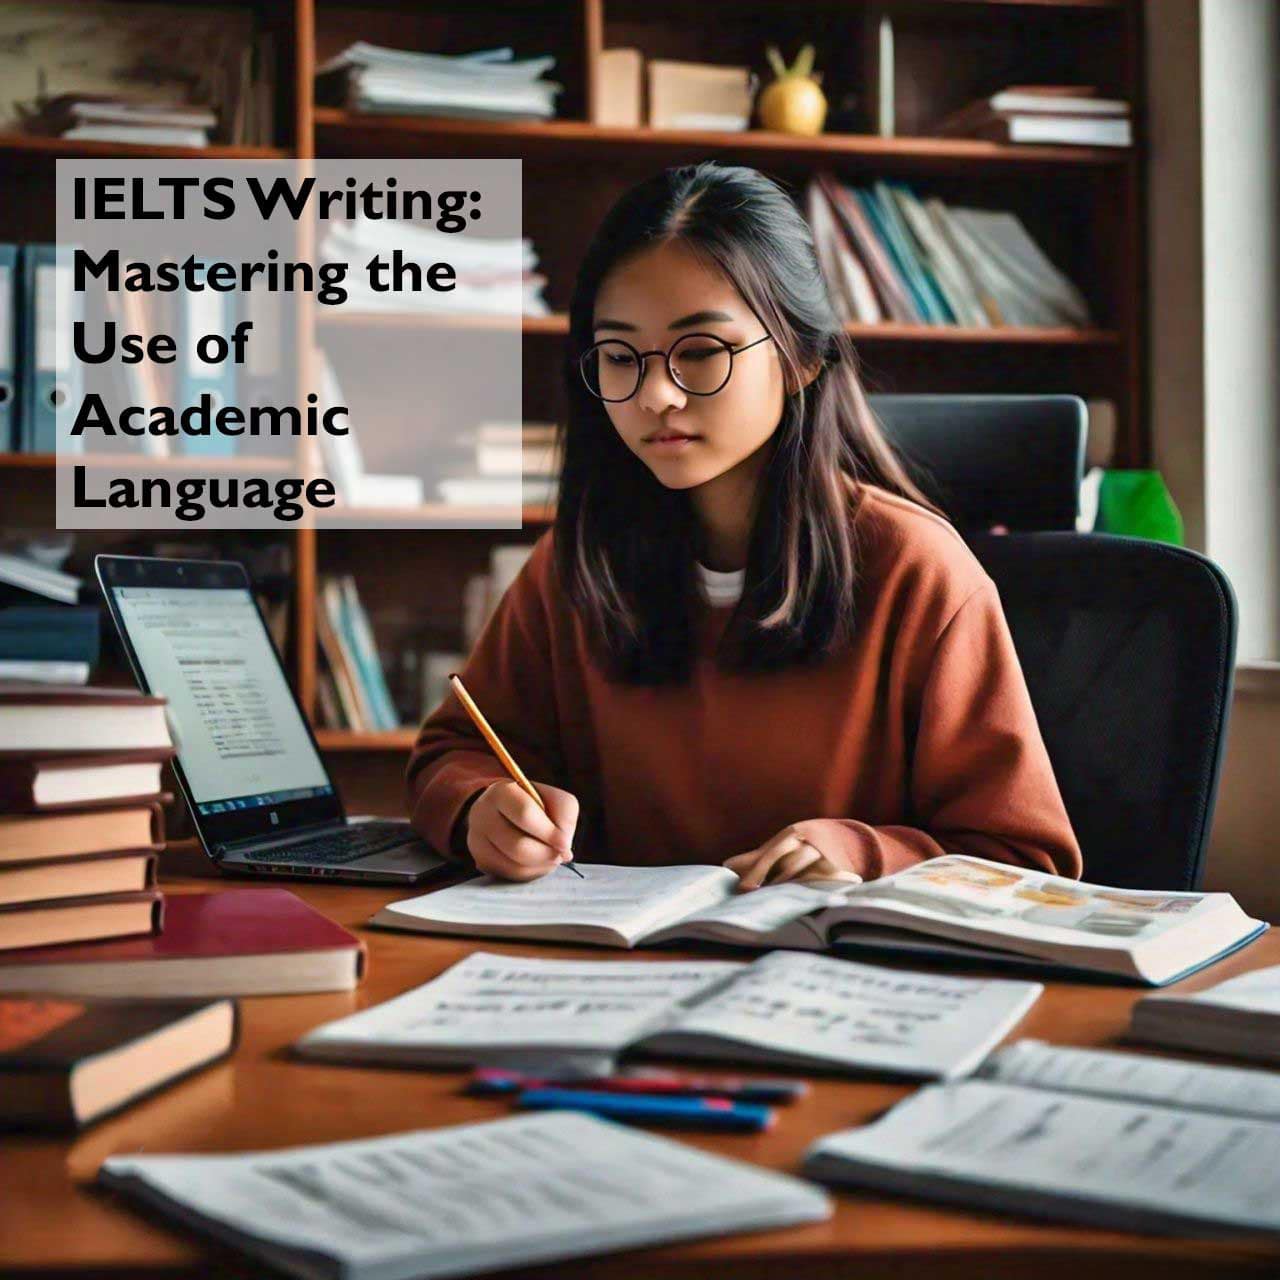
[642, 359]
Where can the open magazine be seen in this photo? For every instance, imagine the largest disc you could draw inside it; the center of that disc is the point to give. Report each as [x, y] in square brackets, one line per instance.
[784, 1009]
[949, 906]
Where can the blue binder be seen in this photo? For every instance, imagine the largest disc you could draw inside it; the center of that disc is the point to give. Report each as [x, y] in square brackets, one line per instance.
[51, 380]
[10, 323]
[202, 312]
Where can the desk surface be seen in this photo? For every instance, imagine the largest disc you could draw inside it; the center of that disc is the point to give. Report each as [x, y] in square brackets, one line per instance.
[51, 1221]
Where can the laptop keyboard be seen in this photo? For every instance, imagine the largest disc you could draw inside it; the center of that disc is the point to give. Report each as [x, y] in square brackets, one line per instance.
[339, 846]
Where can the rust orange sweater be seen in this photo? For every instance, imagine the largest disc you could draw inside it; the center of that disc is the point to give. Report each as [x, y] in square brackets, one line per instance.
[918, 739]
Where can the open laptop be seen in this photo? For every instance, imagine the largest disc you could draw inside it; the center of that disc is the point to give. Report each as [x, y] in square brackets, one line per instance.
[260, 796]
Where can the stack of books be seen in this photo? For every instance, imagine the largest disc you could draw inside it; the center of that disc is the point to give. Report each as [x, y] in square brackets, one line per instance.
[1061, 115]
[490, 84]
[1240, 1017]
[50, 642]
[80, 822]
[109, 118]
[493, 276]
[353, 688]
[889, 256]
[515, 462]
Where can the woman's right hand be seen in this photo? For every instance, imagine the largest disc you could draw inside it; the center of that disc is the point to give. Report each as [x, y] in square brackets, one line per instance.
[511, 838]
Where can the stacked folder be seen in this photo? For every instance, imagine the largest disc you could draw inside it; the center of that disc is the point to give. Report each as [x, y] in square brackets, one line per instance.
[33, 388]
[80, 823]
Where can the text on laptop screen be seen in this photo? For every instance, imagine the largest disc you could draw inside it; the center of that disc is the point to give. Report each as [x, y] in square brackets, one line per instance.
[240, 737]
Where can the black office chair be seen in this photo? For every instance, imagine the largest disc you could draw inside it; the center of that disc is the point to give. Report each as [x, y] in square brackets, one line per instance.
[1128, 648]
[1014, 461]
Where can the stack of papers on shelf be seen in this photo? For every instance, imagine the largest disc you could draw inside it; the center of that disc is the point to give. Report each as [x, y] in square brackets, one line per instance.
[105, 118]
[1240, 1016]
[490, 84]
[494, 276]
[1062, 115]
[515, 463]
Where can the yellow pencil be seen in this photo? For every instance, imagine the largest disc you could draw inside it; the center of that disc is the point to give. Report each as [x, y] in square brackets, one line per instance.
[508, 761]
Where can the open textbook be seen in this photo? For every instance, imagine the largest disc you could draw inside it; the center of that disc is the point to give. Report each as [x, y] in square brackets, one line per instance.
[949, 905]
[784, 1008]
[1120, 1161]
[1240, 1016]
[462, 1200]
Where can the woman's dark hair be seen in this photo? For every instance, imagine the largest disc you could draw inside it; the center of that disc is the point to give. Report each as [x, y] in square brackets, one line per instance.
[626, 545]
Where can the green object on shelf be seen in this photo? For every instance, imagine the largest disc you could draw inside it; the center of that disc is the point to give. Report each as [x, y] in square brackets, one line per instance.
[1138, 504]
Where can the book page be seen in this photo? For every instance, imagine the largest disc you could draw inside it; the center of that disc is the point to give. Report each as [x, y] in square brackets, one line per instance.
[1256, 992]
[631, 900]
[488, 1002]
[1086, 1158]
[469, 1198]
[762, 911]
[842, 1013]
[1142, 1077]
[996, 898]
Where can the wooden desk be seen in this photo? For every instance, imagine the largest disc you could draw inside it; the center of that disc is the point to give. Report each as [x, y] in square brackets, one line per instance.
[51, 1221]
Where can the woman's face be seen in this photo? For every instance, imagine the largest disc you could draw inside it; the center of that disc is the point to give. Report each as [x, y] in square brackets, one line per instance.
[650, 300]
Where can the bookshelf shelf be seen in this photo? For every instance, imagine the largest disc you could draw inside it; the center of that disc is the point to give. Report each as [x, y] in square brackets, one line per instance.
[34, 144]
[235, 464]
[577, 139]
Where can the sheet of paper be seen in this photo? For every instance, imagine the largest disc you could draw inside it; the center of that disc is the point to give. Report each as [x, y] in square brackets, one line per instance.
[528, 1004]
[862, 1015]
[1142, 1077]
[623, 898]
[474, 1197]
[1256, 992]
[1051, 1145]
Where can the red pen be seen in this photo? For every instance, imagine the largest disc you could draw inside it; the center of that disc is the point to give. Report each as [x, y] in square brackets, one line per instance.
[495, 1080]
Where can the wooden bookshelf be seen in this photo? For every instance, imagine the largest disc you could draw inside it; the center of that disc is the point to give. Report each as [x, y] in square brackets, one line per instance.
[1086, 204]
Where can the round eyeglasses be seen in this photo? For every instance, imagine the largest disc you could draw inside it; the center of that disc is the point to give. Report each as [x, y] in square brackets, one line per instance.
[699, 363]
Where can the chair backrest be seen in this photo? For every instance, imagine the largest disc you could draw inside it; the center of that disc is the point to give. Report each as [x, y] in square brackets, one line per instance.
[1128, 648]
[1015, 461]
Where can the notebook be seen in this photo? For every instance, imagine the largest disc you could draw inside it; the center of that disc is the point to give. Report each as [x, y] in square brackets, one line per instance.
[948, 906]
[1125, 1163]
[1240, 1016]
[65, 1062]
[784, 1009]
[247, 942]
[466, 1199]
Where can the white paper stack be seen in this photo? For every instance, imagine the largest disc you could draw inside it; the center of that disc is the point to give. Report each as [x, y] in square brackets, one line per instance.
[494, 276]
[489, 85]
[1240, 1016]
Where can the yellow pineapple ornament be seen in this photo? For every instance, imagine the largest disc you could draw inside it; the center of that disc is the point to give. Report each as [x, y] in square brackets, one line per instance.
[793, 103]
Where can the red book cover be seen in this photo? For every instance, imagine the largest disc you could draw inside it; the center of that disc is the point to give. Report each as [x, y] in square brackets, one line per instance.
[233, 941]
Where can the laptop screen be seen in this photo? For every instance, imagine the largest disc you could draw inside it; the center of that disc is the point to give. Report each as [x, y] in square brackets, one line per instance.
[248, 761]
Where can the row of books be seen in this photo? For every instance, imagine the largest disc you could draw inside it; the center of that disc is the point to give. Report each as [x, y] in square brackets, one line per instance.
[489, 84]
[888, 255]
[352, 689]
[141, 74]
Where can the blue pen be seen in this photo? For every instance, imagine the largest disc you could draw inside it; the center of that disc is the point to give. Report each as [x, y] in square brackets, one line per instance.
[687, 1113]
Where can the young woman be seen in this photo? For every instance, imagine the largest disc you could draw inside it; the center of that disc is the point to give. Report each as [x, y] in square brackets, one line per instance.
[748, 638]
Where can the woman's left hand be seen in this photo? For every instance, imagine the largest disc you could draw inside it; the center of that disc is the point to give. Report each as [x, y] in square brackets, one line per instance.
[795, 853]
